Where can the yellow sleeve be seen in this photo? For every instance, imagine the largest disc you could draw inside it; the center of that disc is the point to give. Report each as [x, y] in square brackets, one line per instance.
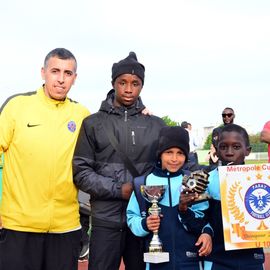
[7, 124]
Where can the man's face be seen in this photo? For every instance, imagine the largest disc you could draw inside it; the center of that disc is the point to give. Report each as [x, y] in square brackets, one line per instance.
[59, 75]
[127, 89]
[227, 116]
[232, 148]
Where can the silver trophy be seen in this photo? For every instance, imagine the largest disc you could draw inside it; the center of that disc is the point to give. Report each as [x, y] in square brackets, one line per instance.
[197, 181]
[154, 194]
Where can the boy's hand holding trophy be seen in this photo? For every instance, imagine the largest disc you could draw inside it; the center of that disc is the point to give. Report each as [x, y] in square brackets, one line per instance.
[154, 194]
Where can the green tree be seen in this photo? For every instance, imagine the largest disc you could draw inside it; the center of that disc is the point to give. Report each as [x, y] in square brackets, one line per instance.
[170, 122]
[208, 142]
[256, 144]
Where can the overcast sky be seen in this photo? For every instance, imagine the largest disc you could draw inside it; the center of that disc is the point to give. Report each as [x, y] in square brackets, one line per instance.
[200, 56]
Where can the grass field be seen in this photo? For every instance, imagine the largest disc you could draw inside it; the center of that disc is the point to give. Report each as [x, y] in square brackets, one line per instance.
[262, 158]
[256, 161]
[247, 162]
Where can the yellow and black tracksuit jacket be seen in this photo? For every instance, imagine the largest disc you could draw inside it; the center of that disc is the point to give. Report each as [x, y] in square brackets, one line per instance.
[38, 137]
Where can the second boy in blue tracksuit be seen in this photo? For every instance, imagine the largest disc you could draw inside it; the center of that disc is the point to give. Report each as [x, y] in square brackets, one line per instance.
[233, 146]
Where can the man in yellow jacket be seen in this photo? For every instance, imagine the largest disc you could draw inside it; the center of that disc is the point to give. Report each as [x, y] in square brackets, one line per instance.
[1, 166]
[39, 210]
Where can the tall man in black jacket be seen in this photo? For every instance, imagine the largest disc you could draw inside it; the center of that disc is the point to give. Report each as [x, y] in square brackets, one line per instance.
[100, 171]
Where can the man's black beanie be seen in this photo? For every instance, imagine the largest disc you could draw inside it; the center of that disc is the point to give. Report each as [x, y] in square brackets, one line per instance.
[129, 65]
[173, 137]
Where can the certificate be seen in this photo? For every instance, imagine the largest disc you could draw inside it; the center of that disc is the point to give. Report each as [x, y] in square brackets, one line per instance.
[245, 202]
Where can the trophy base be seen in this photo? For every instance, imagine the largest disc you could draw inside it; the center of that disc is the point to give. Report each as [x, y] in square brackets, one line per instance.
[156, 257]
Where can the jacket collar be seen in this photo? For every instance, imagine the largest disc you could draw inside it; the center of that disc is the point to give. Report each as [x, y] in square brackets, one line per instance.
[108, 106]
[47, 100]
[165, 173]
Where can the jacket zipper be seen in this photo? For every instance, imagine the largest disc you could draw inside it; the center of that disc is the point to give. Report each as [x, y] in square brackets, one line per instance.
[123, 213]
[133, 137]
[173, 234]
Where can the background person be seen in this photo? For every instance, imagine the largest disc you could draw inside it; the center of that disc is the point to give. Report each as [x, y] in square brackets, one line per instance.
[212, 158]
[100, 171]
[40, 210]
[193, 143]
[265, 136]
[85, 214]
[227, 118]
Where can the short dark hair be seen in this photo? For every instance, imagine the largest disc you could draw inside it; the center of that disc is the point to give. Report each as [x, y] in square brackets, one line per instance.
[229, 108]
[184, 124]
[238, 129]
[60, 53]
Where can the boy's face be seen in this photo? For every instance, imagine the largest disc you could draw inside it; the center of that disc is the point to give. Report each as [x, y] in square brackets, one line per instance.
[172, 159]
[127, 89]
[232, 148]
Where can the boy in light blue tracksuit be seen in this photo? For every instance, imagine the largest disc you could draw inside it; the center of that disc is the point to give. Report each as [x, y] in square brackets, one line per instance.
[179, 225]
[232, 148]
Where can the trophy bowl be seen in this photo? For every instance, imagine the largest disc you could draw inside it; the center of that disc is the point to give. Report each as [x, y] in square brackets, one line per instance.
[154, 194]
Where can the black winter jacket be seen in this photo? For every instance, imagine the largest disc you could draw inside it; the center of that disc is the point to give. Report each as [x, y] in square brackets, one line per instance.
[98, 168]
